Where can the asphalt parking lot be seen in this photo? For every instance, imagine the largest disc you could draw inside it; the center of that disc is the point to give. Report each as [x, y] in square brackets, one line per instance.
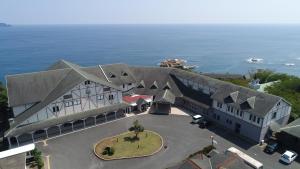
[75, 150]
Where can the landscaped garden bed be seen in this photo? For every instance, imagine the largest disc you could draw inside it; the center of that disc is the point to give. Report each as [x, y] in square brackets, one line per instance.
[135, 143]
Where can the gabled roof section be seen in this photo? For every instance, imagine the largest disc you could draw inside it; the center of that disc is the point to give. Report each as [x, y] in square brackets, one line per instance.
[141, 84]
[234, 96]
[167, 86]
[62, 64]
[154, 85]
[166, 97]
[32, 87]
[251, 101]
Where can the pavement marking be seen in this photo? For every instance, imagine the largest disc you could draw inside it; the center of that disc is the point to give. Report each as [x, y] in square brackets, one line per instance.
[45, 143]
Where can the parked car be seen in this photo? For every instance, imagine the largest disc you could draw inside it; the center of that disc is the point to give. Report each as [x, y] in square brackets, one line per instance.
[204, 123]
[197, 118]
[271, 147]
[288, 156]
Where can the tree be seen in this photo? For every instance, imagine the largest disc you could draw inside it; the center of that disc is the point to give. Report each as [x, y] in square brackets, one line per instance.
[136, 128]
[37, 156]
[4, 109]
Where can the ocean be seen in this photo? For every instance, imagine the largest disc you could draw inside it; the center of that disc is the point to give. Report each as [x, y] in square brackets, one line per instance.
[213, 48]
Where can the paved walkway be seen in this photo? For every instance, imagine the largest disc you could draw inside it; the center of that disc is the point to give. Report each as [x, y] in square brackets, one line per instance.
[75, 151]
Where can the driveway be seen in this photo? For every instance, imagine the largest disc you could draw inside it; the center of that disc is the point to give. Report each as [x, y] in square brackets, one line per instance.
[75, 151]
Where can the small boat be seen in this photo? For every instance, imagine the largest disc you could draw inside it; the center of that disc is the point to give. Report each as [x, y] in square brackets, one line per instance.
[176, 63]
[289, 64]
[254, 60]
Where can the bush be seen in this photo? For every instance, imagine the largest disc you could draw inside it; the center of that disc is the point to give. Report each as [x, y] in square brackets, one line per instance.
[108, 151]
[37, 156]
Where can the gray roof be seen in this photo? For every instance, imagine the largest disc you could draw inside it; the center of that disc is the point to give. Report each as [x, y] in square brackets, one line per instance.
[72, 77]
[13, 162]
[41, 88]
[228, 160]
[292, 128]
[165, 97]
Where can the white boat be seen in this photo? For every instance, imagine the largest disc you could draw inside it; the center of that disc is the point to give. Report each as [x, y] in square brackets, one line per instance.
[289, 64]
[255, 60]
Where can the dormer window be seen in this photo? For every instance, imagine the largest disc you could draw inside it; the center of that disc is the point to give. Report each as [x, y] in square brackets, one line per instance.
[154, 85]
[278, 104]
[141, 85]
[112, 75]
[124, 74]
[87, 82]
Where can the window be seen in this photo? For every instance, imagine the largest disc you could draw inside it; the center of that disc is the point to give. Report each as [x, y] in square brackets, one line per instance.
[124, 74]
[278, 104]
[250, 117]
[231, 110]
[129, 84]
[100, 97]
[274, 115]
[76, 102]
[218, 117]
[123, 86]
[106, 89]
[68, 103]
[55, 109]
[112, 75]
[140, 86]
[254, 118]
[68, 96]
[111, 97]
[258, 120]
[87, 82]
[87, 91]
[220, 105]
[241, 113]
[228, 108]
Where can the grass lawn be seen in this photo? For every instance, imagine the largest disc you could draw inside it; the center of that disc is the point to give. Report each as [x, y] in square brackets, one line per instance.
[126, 147]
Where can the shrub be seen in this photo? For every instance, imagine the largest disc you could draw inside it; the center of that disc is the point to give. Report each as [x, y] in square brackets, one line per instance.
[37, 156]
[108, 151]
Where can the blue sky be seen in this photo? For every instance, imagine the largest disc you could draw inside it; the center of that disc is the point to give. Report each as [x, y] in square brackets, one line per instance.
[148, 11]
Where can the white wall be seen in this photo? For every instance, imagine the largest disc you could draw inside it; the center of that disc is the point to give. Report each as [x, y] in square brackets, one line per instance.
[282, 109]
[245, 115]
[88, 102]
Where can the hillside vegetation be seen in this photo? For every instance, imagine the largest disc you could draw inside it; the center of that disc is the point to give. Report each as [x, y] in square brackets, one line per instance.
[288, 88]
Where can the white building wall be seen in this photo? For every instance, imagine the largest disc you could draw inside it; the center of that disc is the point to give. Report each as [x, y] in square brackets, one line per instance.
[245, 115]
[88, 97]
[282, 109]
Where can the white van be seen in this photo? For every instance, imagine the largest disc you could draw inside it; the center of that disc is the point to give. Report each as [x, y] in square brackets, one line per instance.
[197, 118]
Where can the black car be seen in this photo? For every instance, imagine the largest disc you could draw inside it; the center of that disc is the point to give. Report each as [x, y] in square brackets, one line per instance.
[204, 123]
[271, 147]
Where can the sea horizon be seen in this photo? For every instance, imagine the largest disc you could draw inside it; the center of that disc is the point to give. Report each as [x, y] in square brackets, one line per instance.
[214, 48]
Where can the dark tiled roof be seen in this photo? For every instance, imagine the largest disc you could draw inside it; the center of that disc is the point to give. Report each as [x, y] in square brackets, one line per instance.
[292, 128]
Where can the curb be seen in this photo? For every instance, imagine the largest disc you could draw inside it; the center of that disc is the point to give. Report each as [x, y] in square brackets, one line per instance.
[121, 158]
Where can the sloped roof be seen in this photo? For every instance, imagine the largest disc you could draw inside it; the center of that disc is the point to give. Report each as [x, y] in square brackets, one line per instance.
[33, 87]
[165, 97]
[72, 77]
[292, 128]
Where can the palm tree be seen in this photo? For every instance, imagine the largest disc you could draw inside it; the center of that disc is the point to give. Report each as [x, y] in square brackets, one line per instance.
[136, 128]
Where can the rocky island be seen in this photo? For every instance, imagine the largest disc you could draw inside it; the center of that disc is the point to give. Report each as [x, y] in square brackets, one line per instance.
[4, 25]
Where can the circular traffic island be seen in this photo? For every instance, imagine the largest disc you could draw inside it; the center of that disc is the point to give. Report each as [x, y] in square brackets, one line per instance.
[129, 145]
